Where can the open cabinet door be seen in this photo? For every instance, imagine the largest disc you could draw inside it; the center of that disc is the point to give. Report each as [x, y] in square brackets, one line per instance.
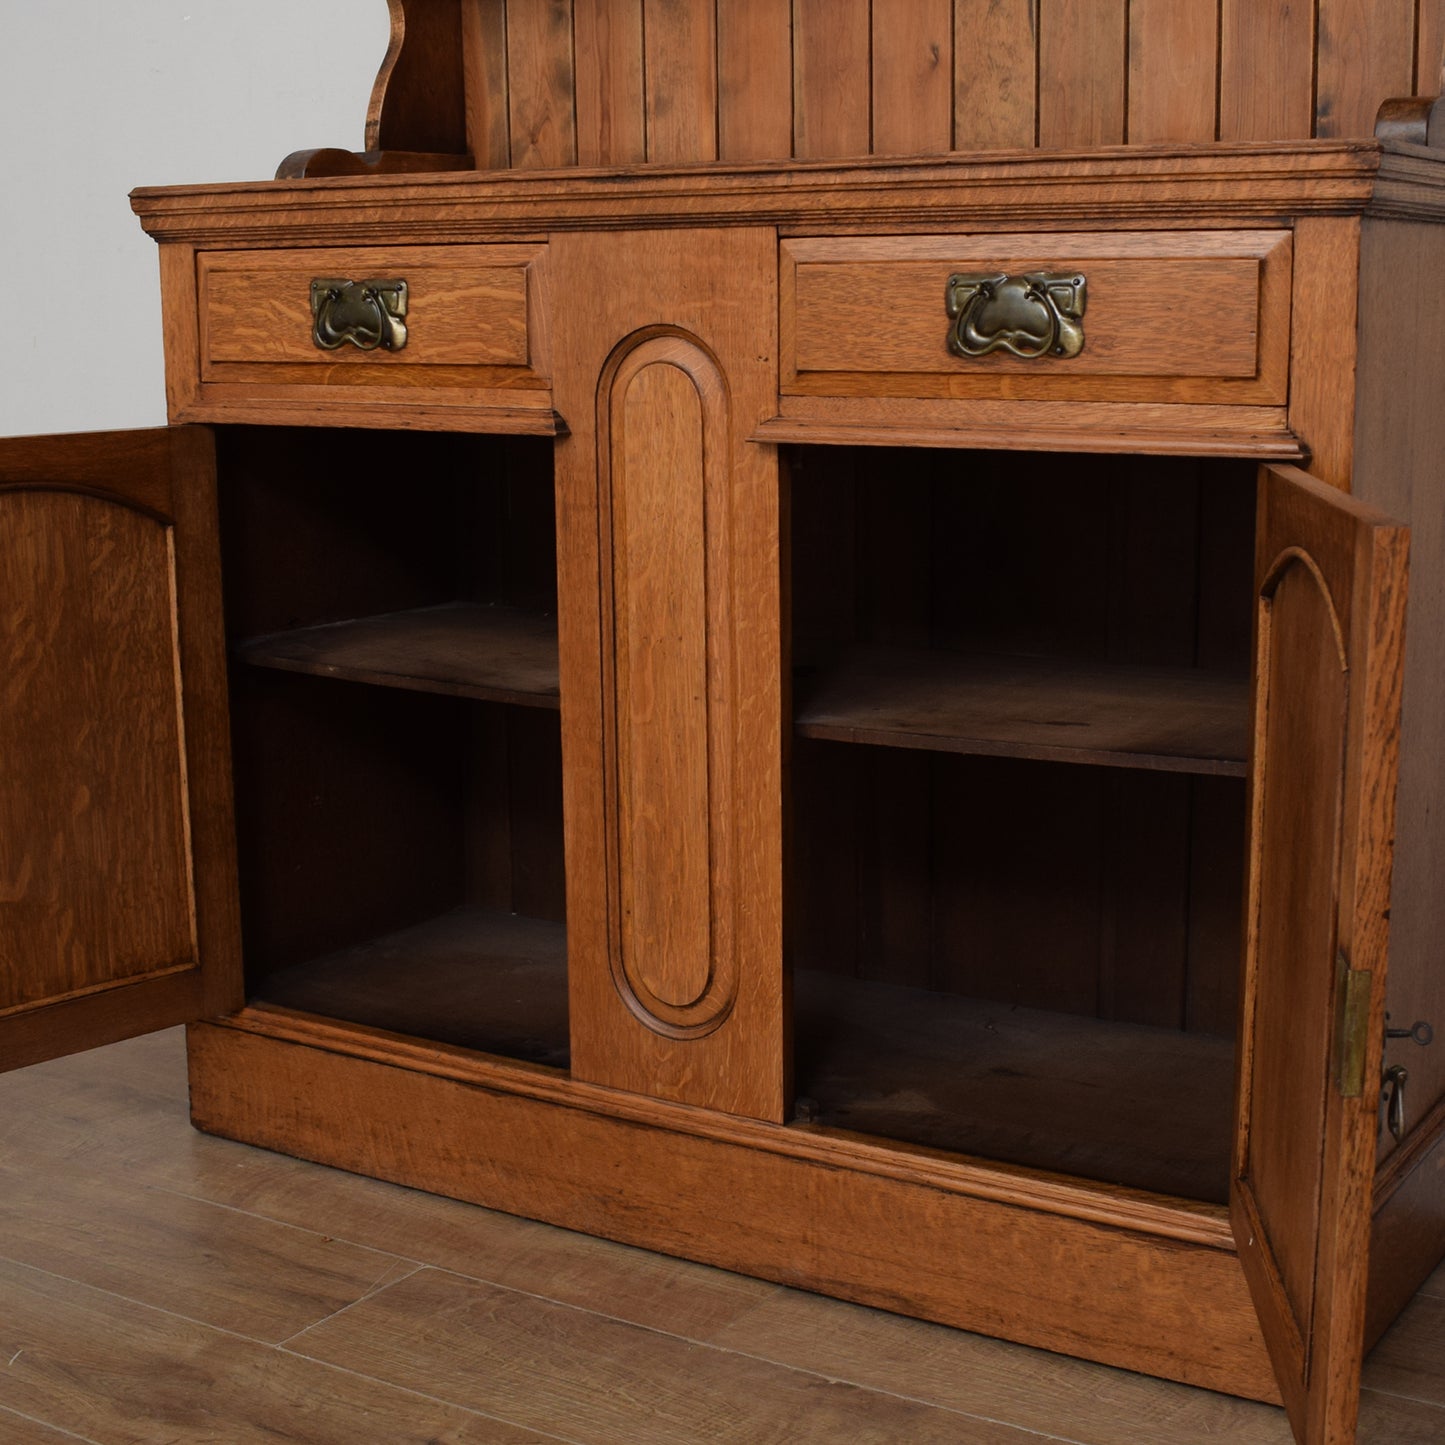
[1331, 575]
[117, 867]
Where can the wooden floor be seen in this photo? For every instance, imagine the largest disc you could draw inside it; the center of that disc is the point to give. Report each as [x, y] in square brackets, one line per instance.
[159, 1285]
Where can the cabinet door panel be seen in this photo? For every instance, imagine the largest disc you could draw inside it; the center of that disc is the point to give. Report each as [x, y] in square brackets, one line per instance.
[1329, 644]
[116, 880]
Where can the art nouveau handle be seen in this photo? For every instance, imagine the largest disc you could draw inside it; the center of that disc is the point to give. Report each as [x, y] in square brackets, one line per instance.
[1034, 315]
[368, 314]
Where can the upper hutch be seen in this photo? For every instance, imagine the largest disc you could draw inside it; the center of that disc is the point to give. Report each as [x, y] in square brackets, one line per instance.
[778, 630]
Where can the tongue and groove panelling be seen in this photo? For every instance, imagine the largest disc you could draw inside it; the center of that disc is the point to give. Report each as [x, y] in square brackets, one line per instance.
[614, 82]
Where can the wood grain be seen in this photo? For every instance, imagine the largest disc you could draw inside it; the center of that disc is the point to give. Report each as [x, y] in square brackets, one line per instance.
[680, 48]
[483, 1345]
[1083, 65]
[912, 71]
[1331, 578]
[465, 307]
[831, 94]
[850, 1241]
[1177, 720]
[611, 118]
[1365, 54]
[667, 418]
[1173, 70]
[541, 84]
[692, 304]
[1147, 1108]
[109, 774]
[484, 67]
[1050, 1394]
[477, 978]
[89, 1363]
[1266, 70]
[492, 653]
[996, 74]
[755, 79]
[215, 1266]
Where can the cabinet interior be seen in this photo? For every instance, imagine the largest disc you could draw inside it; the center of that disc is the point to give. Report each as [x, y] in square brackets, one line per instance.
[1016, 804]
[390, 605]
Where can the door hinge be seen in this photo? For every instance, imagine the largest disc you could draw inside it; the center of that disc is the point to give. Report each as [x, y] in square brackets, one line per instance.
[1352, 1038]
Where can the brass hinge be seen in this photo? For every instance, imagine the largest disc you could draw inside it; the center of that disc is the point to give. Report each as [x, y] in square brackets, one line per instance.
[1352, 1038]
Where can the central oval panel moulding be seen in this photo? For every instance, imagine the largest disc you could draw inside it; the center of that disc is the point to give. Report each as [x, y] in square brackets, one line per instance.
[665, 494]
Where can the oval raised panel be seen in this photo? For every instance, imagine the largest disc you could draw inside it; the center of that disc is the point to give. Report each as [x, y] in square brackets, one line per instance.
[663, 406]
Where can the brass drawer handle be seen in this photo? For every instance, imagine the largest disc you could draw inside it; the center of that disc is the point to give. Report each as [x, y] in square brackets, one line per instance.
[365, 313]
[1033, 315]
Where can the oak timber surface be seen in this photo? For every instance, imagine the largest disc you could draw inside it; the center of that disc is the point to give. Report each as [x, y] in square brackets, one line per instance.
[119, 1362]
[474, 977]
[1123, 1103]
[560, 82]
[493, 653]
[1171, 719]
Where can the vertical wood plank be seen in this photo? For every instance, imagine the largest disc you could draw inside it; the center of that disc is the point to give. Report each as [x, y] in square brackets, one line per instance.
[680, 46]
[1145, 906]
[1266, 70]
[1173, 60]
[755, 79]
[1216, 905]
[484, 63]
[607, 39]
[1322, 365]
[540, 89]
[831, 91]
[912, 76]
[1366, 55]
[995, 74]
[1429, 46]
[1081, 72]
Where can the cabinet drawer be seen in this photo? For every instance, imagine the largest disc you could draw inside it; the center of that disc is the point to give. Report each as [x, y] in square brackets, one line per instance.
[445, 330]
[1196, 316]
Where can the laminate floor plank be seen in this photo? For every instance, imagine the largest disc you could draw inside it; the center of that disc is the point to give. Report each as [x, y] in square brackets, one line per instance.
[1052, 1394]
[552, 1367]
[1391, 1420]
[119, 1373]
[20, 1430]
[1410, 1357]
[220, 1267]
[632, 1284]
[1435, 1285]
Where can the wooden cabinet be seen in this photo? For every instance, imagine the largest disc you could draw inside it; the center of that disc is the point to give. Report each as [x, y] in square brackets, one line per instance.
[706, 763]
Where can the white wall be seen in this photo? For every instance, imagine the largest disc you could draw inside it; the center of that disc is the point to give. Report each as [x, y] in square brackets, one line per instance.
[99, 96]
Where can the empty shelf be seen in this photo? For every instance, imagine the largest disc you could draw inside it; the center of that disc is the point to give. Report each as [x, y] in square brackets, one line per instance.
[1148, 1108]
[494, 653]
[474, 977]
[1170, 719]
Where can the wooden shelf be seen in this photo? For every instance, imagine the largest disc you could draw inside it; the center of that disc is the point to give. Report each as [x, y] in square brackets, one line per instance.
[475, 978]
[1147, 1108]
[494, 653]
[1168, 719]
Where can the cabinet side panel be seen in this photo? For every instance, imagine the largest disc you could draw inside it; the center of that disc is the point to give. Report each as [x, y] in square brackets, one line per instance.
[1400, 438]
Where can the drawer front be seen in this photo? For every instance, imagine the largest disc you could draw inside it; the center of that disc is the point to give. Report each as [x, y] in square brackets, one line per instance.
[1196, 316]
[334, 332]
